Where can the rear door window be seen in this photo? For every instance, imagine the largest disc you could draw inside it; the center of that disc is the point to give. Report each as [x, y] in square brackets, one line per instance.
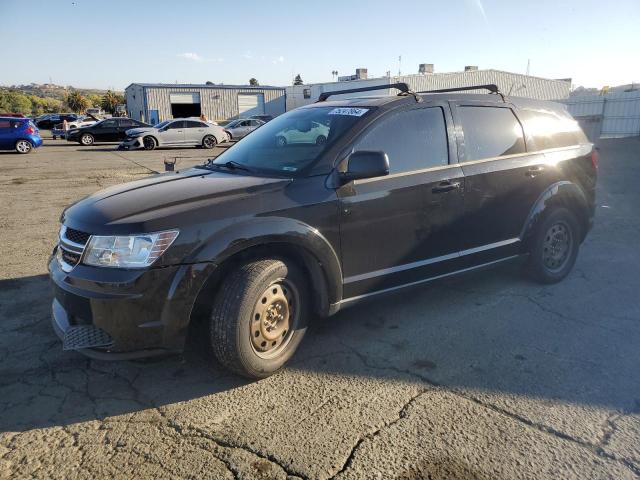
[126, 123]
[176, 125]
[4, 124]
[193, 124]
[413, 140]
[548, 130]
[490, 132]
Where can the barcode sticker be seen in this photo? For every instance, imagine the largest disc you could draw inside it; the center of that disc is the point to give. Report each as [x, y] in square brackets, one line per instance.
[351, 111]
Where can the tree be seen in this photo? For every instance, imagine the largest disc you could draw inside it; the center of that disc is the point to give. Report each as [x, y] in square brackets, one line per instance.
[95, 100]
[110, 100]
[15, 102]
[77, 102]
[298, 80]
[253, 82]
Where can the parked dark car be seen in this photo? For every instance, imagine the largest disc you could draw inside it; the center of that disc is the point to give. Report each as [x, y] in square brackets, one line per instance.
[19, 134]
[107, 130]
[405, 189]
[48, 121]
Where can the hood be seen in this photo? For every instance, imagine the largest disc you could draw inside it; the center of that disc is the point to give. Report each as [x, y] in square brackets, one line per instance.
[167, 200]
[134, 132]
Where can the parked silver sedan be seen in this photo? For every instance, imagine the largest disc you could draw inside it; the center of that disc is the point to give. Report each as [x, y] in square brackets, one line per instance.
[180, 132]
[236, 129]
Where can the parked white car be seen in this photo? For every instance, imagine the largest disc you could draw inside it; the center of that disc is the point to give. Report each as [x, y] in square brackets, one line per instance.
[304, 131]
[180, 132]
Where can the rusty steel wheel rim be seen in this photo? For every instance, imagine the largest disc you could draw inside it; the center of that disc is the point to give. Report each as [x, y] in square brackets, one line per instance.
[274, 318]
[557, 246]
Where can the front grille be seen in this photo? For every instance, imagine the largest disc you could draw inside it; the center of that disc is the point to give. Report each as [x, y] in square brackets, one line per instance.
[85, 336]
[69, 257]
[76, 236]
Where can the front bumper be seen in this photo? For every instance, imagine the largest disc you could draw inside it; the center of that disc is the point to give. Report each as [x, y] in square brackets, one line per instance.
[123, 314]
[131, 143]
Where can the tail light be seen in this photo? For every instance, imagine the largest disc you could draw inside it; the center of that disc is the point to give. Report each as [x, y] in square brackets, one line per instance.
[30, 129]
[595, 157]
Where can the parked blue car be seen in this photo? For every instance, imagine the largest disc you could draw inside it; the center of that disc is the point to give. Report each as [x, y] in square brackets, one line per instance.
[19, 134]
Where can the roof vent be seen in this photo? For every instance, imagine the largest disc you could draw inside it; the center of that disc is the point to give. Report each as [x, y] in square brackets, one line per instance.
[470, 68]
[425, 68]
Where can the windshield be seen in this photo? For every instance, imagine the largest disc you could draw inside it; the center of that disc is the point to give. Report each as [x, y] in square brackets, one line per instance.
[161, 124]
[292, 141]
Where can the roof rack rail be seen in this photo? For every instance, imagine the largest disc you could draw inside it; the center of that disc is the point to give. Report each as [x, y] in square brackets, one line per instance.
[403, 87]
[492, 87]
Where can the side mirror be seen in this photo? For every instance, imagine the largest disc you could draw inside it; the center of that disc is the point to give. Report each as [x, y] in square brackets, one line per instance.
[366, 164]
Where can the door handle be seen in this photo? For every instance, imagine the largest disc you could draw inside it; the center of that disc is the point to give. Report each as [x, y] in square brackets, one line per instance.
[445, 186]
[533, 171]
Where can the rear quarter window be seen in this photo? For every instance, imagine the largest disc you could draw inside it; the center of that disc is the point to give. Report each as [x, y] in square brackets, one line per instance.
[490, 132]
[549, 130]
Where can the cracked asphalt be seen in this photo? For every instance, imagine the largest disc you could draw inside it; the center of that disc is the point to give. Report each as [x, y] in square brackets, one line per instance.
[485, 376]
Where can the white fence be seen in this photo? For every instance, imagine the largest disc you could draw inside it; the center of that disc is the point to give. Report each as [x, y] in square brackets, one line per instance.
[618, 113]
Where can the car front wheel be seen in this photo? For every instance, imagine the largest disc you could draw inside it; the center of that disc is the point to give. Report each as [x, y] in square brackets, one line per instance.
[23, 146]
[86, 139]
[148, 143]
[259, 317]
[555, 247]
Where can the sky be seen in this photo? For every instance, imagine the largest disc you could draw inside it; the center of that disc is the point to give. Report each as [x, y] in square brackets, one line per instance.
[100, 44]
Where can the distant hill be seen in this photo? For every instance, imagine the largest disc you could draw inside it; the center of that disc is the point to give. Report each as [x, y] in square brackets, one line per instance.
[35, 99]
[51, 90]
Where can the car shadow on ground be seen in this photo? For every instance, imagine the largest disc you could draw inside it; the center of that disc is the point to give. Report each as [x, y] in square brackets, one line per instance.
[488, 333]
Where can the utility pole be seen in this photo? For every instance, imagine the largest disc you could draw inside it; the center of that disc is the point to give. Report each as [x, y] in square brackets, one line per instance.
[528, 65]
[399, 65]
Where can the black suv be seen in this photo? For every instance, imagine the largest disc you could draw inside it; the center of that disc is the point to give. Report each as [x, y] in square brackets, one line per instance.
[49, 121]
[405, 189]
[107, 130]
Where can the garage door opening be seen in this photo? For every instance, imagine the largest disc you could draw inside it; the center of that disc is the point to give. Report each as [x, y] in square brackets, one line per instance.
[185, 105]
[250, 104]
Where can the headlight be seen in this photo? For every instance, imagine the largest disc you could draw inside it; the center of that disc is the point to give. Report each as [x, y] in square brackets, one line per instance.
[133, 251]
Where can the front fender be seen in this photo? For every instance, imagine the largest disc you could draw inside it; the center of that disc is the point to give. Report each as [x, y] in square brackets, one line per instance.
[257, 231]
[565, 194]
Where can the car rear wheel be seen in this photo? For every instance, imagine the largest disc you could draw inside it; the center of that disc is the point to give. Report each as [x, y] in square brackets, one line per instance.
[209, 141]
[148, 143]
[23, 146]
[259, 317]
[555, 247]
[86, 139]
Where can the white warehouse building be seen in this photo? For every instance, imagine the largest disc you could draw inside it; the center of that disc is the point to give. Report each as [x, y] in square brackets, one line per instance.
[509, 83]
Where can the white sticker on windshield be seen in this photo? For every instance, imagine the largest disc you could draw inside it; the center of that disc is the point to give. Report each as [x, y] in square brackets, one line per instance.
[351, 111]
[289, 169]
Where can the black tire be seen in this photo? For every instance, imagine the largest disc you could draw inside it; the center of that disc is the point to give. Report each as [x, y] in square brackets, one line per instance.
[281, 141]
[554, 246]
[209, 142]
[86, 139]
[54, 137]
[235, 327]
[149, 143]
[23, 147]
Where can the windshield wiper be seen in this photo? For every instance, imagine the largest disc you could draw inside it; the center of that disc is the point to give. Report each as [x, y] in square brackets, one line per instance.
[230, 165]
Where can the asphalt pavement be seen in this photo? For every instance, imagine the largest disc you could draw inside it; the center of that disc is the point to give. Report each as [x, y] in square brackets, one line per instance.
[484, 376]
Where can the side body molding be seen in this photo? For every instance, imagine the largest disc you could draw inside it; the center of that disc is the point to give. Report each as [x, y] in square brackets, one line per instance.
[263, 231]
[563, 193]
